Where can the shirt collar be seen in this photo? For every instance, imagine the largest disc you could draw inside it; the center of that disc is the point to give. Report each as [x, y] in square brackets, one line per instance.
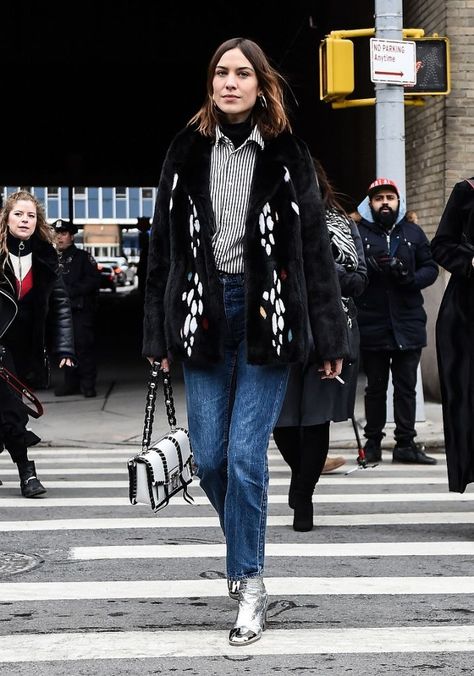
[254, 136]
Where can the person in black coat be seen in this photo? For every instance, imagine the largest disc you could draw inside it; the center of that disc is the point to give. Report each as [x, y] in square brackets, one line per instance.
[453, 249]
[392, 320]
[312, 402]
[31, 291]
[239, 265]
[82, 280]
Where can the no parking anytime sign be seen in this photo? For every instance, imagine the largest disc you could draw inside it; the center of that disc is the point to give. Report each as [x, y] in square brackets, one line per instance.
[393, 61]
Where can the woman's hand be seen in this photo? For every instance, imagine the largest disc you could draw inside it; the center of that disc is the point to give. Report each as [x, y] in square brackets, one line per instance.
[331, 369]
[66, 361]
[164, 364]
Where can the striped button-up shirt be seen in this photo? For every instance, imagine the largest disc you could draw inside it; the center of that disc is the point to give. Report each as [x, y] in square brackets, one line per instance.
[231, 180]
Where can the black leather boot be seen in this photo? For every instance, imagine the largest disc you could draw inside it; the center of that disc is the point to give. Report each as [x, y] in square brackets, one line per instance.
[30, 485]
[373, 451]
[303, 516]
[412, 453]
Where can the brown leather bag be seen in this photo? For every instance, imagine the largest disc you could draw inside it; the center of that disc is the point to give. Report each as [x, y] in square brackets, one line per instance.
[20, 388]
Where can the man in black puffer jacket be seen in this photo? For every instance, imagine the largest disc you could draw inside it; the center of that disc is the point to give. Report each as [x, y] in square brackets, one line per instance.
[392, 320]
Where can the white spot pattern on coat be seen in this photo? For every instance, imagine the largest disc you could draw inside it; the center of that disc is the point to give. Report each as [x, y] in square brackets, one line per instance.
[193, 294]
[272, 297]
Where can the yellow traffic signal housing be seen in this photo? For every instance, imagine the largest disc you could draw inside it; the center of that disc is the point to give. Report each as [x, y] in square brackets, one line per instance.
[336, 69]
[432, 67]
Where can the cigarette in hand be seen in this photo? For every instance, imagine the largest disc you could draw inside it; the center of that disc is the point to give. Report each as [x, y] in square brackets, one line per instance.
[340, 380]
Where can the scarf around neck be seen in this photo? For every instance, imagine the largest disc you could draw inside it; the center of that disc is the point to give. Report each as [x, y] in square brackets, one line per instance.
[21, 260]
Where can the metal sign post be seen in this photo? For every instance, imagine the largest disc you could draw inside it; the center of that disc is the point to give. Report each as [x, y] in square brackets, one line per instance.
[397, 65]
[389, 107]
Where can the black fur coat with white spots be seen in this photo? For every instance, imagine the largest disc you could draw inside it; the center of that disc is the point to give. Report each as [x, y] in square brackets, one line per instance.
[293, 301]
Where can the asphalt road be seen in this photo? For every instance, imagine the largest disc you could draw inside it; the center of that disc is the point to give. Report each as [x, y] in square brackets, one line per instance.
[90, 584]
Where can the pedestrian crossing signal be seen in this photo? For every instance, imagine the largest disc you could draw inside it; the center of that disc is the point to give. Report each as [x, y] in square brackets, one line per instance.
[336, 69]
[432, 68]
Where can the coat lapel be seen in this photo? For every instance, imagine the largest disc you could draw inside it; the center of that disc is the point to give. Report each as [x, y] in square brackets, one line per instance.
[266, 181]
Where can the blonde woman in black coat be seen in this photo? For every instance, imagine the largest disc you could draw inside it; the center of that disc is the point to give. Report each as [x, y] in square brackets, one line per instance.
[31, 289]
[239, 260]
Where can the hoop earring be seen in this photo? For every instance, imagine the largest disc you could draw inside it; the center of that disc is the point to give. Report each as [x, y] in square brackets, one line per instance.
[263, 101]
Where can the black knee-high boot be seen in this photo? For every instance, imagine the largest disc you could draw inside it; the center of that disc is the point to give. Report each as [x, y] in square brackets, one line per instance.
[288, 441]
[314, 450]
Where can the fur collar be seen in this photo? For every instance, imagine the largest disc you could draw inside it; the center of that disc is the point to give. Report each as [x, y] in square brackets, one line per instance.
[192, 159]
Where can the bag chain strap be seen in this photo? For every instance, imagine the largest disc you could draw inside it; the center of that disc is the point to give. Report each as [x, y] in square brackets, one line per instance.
[169, 401]
[151, 401]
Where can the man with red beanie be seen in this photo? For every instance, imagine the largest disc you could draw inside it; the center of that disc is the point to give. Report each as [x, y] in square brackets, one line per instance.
[392, 320]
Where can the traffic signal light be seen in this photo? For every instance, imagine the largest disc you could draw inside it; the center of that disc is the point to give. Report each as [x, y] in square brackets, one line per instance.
[336, 69]
[432, 67]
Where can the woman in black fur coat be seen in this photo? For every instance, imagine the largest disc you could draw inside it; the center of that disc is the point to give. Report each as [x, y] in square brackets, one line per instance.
[31, 289]
[453, 249]
[240, 284]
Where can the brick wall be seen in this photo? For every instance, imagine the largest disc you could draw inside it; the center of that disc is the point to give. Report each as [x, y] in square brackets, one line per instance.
[440, 140]
[425, 128]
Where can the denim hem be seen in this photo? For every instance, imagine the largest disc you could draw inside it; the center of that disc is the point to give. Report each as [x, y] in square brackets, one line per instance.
[239, 578]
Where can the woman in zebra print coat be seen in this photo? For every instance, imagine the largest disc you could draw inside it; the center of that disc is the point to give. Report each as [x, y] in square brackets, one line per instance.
[312, 401]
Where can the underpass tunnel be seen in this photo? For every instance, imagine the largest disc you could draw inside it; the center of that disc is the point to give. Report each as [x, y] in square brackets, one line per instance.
[108, 91]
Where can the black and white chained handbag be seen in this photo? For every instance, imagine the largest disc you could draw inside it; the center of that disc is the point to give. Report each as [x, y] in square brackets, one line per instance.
[165, 468]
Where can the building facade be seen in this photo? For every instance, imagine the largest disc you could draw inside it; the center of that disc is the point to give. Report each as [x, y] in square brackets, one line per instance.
[106, 217]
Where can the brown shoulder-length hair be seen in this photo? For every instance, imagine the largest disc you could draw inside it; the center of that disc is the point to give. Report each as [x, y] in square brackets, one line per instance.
[269, 113]
[43, 230]
[328, 194]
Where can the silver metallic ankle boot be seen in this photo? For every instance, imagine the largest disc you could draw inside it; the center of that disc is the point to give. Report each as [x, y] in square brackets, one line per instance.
[250, 622]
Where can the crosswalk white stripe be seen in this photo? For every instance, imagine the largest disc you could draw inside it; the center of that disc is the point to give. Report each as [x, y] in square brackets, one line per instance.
[129, 451]
[128, 645]
[281, 549]
[276, 586]
[69, 471]
[126, 451]
[98, 485]
[121, 455]
[55, 452]
[324, 481]
[84, 458]
[122, 470]
[160, 521]
[111, 459]
[335, 498]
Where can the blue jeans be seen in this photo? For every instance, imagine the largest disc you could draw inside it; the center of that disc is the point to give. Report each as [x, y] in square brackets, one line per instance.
[232, 409]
